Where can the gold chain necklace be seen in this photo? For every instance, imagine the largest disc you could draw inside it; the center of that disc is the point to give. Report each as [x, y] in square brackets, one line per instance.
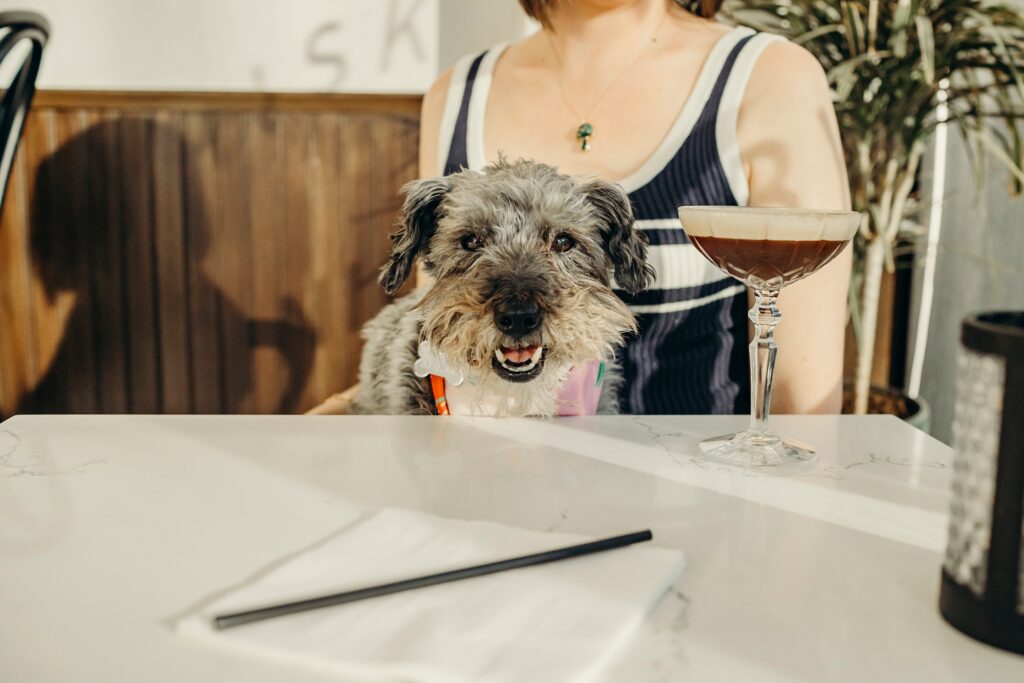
[585, 130]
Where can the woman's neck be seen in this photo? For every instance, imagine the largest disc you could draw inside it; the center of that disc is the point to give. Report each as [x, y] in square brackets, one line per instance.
[588, 33]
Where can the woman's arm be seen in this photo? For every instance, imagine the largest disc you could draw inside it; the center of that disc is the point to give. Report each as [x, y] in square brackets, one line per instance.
[789, 142]
[431, 114]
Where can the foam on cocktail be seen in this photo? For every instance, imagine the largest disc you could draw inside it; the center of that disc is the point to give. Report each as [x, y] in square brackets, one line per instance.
[746, 223]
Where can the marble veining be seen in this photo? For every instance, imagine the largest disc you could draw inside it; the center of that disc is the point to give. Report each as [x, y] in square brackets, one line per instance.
[840, 471]
[18, 462]
[679, 446]
[9, 442]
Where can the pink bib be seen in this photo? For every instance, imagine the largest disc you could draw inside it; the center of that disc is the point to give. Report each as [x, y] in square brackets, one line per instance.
[582, 390]
[578, 396]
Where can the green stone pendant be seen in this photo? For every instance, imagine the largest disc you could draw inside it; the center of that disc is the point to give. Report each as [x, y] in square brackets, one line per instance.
[583, 134]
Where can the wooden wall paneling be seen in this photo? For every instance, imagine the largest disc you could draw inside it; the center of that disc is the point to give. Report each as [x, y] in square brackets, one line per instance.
[406, 162]
[68, 234]
[53, 301]
[394, 140]
[374, 207]
[327, 270]
[197, 255]
[230, 255]
[17, 370]
[22, 278]
[34, 146]
[203, 293]
[298, 347]
[45, 319]
[104, 227]
[171, 242]
[141, 295]
[247, 102]
[269, 233]
[358, 210]
[380, 220]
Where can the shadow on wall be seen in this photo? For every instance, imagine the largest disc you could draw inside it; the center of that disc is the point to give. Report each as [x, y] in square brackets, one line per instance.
[148, 332]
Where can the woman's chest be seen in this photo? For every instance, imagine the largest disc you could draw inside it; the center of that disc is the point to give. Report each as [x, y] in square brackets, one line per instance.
[534, 116]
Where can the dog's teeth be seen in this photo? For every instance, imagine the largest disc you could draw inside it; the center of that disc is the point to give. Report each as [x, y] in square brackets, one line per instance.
[529, 365]
[519, 367]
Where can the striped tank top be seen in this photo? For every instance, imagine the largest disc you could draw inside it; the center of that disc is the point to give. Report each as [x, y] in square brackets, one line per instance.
[690, 355]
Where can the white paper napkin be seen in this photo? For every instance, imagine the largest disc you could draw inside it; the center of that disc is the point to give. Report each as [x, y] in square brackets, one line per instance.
[556, 622]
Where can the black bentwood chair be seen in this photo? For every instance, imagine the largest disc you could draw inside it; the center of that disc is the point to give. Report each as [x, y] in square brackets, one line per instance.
[15, 28]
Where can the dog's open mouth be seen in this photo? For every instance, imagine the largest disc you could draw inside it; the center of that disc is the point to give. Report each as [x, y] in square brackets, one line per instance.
[518, 364]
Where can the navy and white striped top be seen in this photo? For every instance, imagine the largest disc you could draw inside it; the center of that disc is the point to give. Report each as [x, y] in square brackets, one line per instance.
[690, 354]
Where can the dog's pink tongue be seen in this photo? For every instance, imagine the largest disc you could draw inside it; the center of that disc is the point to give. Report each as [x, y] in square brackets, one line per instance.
[519, 355]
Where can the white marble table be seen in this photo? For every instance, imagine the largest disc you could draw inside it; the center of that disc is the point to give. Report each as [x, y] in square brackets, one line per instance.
[110, 527]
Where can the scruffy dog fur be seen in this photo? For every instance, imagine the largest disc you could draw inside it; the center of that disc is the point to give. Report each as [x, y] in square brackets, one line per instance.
[522, 259]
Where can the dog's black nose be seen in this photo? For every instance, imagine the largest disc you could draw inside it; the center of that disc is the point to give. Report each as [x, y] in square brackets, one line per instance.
[517, 318]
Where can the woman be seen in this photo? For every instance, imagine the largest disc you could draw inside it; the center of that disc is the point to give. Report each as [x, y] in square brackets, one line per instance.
[679, 109]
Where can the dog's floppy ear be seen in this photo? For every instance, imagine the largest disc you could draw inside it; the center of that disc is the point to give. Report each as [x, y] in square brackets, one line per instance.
[419, 221]
[626, 245]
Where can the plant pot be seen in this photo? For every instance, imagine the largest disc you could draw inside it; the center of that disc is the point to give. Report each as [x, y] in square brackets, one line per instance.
[890, 401]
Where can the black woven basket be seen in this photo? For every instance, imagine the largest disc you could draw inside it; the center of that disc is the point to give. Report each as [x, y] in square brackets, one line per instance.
[983, 574]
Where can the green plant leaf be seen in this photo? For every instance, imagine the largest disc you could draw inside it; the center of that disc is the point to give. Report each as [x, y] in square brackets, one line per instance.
[1001, 49]
[816, 33]
[844, 76]
[854, 26]
[926, 40]
[901, 15]
[856, 282]
[984, 138]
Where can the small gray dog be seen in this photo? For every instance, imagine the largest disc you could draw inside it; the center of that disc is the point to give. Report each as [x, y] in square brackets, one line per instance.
[522, 260]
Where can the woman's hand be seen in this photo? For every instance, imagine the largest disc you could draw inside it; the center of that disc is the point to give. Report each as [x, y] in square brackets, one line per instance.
[789, 143]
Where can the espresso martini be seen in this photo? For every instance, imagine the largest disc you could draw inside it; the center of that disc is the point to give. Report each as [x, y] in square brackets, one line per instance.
[773, 247]
[766, 249]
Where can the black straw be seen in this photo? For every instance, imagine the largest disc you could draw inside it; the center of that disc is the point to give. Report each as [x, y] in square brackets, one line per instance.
[249, 616]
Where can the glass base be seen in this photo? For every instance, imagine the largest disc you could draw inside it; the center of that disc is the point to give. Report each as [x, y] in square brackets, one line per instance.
[761, 451]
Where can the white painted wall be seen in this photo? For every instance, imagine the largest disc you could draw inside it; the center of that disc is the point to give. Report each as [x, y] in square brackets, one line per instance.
[263, 45]
[471, 26]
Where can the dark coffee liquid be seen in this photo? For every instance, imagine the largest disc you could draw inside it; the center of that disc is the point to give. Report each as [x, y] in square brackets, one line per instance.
[774, 262]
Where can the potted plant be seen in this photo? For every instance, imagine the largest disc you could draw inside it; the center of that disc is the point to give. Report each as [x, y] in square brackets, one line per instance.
[892, 67]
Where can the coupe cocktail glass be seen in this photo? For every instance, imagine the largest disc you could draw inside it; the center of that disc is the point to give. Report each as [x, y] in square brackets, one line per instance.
[765, 249]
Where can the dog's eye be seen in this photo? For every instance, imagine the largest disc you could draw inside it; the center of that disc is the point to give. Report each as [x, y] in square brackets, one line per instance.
[471, 243]
[563, 243]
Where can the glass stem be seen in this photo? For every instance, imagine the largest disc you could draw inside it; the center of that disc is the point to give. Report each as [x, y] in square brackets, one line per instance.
[765, 315]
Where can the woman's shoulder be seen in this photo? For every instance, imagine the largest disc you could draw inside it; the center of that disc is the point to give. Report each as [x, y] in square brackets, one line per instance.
[786, 129]
[786, 81]
[431, 112]
[787, 57]
[434, 105]
[436, 94]
[434, 97]
[785, 69]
